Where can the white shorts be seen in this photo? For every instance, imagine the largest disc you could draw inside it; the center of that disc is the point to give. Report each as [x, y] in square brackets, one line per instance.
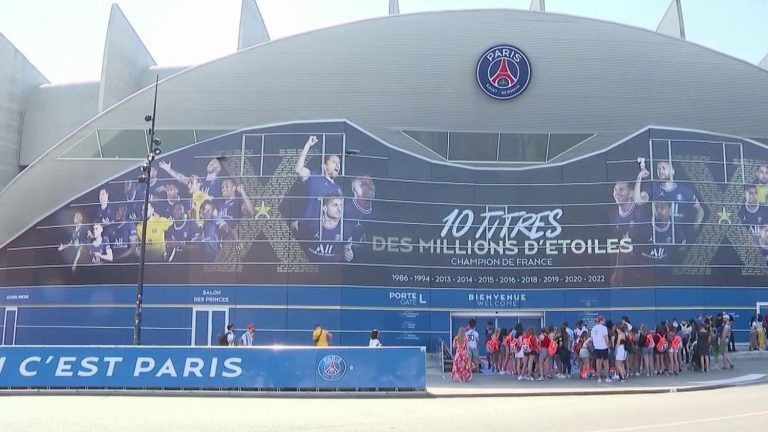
[520, 354]
[621, 353]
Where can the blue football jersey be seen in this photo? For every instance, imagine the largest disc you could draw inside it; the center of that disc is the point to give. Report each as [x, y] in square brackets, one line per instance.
[319, 186]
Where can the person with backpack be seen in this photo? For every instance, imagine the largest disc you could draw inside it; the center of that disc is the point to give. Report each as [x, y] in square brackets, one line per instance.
[321, 337]
[228, 337]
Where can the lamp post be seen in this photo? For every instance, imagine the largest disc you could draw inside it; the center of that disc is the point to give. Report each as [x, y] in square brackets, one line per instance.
[153, 150]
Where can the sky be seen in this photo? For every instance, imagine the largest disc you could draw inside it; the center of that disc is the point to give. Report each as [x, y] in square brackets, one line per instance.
[64, 39]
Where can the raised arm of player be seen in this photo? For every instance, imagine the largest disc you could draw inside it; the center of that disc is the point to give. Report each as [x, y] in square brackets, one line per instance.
[166, 166]
[247, 205]
[699, 213]
[302, 171]
[640, 197]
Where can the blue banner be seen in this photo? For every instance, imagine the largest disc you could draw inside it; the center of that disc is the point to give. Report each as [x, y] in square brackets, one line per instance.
[262, 368]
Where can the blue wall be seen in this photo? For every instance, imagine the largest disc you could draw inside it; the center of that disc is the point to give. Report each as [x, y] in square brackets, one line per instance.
[71, 315]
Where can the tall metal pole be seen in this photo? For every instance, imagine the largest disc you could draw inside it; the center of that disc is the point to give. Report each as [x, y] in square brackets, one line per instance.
[144, 219]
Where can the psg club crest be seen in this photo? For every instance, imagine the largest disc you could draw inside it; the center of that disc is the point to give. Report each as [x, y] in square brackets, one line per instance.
[332, 367]
[503, 72]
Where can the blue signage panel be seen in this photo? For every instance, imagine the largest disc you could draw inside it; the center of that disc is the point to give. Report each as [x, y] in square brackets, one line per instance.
[213, 368]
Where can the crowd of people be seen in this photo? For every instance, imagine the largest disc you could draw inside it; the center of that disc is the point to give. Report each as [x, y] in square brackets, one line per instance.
[607, 352]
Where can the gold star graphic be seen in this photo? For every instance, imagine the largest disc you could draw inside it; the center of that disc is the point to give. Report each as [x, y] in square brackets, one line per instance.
[263, 211]
[724, 216]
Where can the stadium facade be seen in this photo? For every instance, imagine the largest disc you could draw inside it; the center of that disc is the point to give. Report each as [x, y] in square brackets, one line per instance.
[402, 173]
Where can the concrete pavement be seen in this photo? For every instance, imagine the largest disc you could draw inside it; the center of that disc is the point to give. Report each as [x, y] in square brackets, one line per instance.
[741, 408]
[751, 367]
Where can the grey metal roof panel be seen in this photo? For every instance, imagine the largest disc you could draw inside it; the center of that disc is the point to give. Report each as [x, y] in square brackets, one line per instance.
[418, 72]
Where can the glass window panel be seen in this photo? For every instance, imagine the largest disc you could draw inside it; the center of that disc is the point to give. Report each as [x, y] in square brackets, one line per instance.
[559, 143]
[129, 144]
[88, 147]
[523, 148]
[472, 146]
[435, 141]
[174, 139]
[204, 134]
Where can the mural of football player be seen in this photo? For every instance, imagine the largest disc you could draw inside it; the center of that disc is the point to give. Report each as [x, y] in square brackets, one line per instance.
[762, 241]
[761, 179]
[123, 238]
[752, 214]
[629, 220]
[180, 235]
[210, 185]
[320, 184]
[323, 241]
[106, 211]
[666, 243]
[210, 231]
[164, 206]
[359, 209]
[231, 207]
[686, 208]
[78, 237]
[133, 201]
[100, 249]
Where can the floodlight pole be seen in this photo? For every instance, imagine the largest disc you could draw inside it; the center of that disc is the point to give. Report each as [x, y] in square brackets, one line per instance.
[153, 149]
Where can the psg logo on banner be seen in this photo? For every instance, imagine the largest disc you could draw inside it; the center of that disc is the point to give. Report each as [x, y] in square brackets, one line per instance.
[332, 367]
[503, 72]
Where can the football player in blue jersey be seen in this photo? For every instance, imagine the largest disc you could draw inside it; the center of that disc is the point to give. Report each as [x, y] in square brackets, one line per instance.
[77, 237]
[164, 206]
[211, 237]
[106, 210]
[666, 242]
[133, 201]
[180, 235]
[686, 208]
[156, 187]
[231, 208]
[318, 184]
[323, 241]
[123, 237]
[100, 249]
[752, 214]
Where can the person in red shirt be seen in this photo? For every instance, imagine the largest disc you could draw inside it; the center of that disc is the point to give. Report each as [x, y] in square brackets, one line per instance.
[529, 348]
[492, 347]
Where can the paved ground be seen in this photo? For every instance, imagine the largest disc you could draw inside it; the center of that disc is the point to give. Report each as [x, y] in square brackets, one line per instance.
[739, 408]
[750, 367]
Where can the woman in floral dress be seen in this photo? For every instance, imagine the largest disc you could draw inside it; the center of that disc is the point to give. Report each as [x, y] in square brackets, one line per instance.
[462, 370]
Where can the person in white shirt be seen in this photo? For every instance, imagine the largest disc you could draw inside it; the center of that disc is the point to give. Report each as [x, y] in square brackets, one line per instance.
[374, 342]
[231, 334]
[600, 342]
[473, 337]
[247, 338]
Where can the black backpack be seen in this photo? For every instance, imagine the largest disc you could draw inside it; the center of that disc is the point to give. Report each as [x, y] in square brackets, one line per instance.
[223, 339]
